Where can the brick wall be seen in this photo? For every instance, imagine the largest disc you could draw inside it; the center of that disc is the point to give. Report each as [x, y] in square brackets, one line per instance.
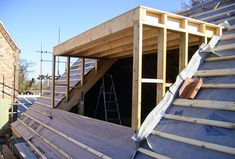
[9, 66]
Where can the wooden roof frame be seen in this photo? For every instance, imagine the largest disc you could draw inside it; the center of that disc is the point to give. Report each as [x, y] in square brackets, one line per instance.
[139, 31]
[106, 36]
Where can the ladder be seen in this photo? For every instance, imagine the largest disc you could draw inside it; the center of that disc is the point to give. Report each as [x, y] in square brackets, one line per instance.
[110, 103]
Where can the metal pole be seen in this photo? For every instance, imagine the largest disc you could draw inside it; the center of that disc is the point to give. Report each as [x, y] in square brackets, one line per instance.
[41, 71]
[53, 82]
[67, 79]
[58, 62]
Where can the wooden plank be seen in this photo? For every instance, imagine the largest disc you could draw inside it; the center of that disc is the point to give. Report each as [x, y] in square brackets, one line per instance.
[231, 27]
[151, 43]
[114, 25]
[55, 147]
[70, 139]
[67, 79]
[198, 143]
[36, 149]
[194, 25]
[183, 51]
[161, 63]
[53, 82]
[82, 71]
[222, 20]
[148, 33]
[225, 47]
[225, 86]
[149, 50]
[46, 97]
[56, 92]
[96, 66]
[217, 15]
[228, 36]
[216, 123]
[43, 104]
[212, 10]
[221, 58]
[207, 104]
[110, 28]
[148, 80]
[137, 76]
[151, 153]
[215, 72]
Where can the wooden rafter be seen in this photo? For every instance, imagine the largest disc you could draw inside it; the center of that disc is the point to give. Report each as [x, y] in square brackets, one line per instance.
[118, 33]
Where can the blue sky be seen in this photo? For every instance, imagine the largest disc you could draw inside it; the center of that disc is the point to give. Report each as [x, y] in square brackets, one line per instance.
[32, 22]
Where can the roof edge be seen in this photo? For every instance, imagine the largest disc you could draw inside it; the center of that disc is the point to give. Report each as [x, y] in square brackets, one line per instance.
[9, 39]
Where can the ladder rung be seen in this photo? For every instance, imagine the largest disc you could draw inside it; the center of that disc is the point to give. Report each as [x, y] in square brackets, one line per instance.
[110, 101]
[109, 92]
[112, 110]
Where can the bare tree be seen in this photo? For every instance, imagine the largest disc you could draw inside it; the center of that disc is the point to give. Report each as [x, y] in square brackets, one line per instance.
[192, 3]
[25, 68]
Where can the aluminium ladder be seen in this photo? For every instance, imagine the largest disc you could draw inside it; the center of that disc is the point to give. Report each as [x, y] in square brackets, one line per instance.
[110, 103]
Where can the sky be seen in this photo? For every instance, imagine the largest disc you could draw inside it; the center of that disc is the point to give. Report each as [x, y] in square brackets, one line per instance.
[35, 22]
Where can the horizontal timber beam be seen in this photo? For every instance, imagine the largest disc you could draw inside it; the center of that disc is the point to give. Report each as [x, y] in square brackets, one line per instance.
[203, 144]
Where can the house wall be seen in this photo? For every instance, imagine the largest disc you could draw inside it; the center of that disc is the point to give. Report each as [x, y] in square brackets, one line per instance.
[9, 66]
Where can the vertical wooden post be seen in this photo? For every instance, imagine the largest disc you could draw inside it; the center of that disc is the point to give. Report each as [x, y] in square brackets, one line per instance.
[96, 65]
[67, 79]
[53, 82]
[82, 71]
[161, 63]
[81, 109]
[183, 51]
[203, 30]
[137, 76]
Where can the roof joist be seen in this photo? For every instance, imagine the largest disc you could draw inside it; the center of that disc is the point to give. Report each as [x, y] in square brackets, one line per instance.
[114, 38]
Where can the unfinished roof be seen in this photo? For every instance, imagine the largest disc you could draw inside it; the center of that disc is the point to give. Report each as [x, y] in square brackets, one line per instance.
[202, 127]
[8, 37]
[114, 38]
[53, 133]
